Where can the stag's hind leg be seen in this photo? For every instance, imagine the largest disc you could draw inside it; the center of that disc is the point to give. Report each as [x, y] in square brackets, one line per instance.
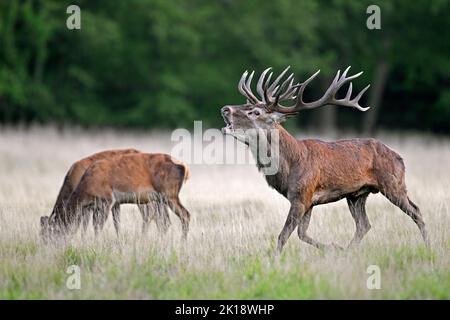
[357, 206]
[401, 200]
[413, 211]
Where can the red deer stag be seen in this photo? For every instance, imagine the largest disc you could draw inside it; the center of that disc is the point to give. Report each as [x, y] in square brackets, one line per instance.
[313, 172]
[71, 181]
[139, 178]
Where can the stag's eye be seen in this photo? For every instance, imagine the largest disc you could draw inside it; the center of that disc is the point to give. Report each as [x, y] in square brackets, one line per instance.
[256, 113]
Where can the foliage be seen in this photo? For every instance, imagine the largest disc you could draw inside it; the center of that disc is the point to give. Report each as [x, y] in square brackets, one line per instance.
[162, 63]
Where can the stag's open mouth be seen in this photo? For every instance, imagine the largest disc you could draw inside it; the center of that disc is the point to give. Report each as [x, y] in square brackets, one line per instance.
[229, 126]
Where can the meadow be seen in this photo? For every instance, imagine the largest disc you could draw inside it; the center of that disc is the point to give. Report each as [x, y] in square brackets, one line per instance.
[236, 218]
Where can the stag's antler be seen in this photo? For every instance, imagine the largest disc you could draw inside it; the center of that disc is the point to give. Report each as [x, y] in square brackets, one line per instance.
[270, 94]
[273, 94]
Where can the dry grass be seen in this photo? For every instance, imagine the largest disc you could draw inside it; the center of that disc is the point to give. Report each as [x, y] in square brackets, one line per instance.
[236, 219]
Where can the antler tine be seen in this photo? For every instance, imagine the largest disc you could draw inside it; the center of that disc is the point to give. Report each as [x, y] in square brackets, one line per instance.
[266, 96]
[285, 82]
[353, 103]
[278, 90]
[347, 101]
[244, 88]
[290, 91]
[260, 84]
[241, 82]
[275, 83]
[330, 95]
[249, 80]
[302, 87]
[273, 93]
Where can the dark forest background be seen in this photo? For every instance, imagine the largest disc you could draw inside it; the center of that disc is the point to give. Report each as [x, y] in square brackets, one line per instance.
[165, 63]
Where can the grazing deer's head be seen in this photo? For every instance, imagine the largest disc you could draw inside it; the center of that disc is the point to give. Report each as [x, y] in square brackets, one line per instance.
[50, 229]
[267, 111]
[45, 228]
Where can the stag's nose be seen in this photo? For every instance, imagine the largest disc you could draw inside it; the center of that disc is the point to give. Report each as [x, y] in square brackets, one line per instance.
[226, 111]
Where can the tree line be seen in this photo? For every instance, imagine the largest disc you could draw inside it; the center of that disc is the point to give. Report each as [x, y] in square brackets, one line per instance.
[160, 63]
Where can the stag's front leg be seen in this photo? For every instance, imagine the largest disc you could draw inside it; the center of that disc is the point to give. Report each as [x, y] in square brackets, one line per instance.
[296, 212]
[358, 211]
[303, 227]
[302, 233]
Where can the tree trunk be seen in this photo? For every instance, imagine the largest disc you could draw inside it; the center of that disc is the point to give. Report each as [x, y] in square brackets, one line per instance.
[327, 114]
[328, 119]
[376, 95]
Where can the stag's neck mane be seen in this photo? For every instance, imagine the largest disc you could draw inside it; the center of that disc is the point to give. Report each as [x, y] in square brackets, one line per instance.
[285, 153]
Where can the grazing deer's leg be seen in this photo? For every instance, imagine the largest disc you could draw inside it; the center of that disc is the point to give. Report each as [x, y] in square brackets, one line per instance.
[303, 227]
[116, 217]
[358, 211]
[96, 220]
[184, 215]
[161, 217]
[296, 212]
[85, 219]
[80, 212]
[100, 215]
[145, 213]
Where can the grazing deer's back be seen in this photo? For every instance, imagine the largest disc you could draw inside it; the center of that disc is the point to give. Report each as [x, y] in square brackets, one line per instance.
[142, 172]
[78, 169]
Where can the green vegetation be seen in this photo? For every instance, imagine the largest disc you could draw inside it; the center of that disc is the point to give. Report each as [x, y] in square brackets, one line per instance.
[160, 63]
[252, 277]
[236, 219]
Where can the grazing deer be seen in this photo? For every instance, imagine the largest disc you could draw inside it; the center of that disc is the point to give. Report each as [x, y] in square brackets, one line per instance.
[139, 178]
[313, 172]
[71, 181]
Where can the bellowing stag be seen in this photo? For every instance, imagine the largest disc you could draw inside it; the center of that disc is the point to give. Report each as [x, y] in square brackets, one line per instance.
[314, 172]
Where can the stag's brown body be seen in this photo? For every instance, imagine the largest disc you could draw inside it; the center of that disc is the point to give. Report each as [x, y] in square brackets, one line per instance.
[339, 169]
[314, 172]
[139, 178]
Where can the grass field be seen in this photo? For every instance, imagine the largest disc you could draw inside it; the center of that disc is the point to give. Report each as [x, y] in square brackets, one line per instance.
[236, 219]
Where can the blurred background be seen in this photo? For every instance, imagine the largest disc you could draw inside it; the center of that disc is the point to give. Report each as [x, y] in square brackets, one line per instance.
[164, 64]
